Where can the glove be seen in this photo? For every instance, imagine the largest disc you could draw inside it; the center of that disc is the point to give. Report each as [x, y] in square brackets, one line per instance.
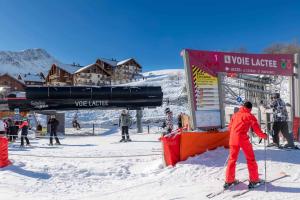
[264, 137]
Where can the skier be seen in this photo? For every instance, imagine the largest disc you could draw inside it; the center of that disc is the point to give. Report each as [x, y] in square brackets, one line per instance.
[124, 123]
[2, 127]
[169, 120]
[24, 132]
[179, 120]
[10, 130]
[75, 122]
[53, 128]
[239, 125]
[280, 117]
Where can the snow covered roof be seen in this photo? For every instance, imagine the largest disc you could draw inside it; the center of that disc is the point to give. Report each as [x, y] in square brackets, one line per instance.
[88, 66]
[32, 77]
[127, 60]
[68, 68]
[13, 77]
[124, 61]
[110, 62]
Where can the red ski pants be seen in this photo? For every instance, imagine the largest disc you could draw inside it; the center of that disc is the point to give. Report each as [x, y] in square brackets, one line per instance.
[250, 157]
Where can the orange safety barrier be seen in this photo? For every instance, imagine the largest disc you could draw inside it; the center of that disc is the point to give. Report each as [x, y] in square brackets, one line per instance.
[296, 124]
[193, 143]
[4, 152]
[171, 145]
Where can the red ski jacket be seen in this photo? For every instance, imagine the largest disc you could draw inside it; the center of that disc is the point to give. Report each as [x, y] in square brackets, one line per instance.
[240, 124]
[24, 123]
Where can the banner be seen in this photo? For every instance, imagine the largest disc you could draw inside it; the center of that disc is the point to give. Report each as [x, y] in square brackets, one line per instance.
[268, 64]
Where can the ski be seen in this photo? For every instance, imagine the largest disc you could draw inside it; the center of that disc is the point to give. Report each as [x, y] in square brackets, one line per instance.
[251, 189]
[214, 194]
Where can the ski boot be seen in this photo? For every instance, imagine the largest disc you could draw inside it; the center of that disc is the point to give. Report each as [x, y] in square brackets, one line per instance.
[128, 140]
[123, 140]
[254, 184]
[227, 185]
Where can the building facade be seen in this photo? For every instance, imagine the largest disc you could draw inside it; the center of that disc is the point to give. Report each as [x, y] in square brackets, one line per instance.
[102, 72]
[11, 83]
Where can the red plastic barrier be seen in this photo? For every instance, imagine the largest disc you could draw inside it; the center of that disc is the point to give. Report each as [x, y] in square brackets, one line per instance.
[296, 124]
[4, 152]
[171, 145]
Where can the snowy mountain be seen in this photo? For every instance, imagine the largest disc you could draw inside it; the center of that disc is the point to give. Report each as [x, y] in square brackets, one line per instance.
[29, 60]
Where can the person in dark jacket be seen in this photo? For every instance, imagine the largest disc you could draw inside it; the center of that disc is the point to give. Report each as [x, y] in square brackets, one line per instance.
[169, 120]
[10, 130]
[24, 132]
[53, 129]
[124, 123]
[280, 118]
[179, 120]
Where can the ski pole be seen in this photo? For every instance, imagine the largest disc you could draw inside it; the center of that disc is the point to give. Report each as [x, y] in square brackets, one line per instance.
[265, 165]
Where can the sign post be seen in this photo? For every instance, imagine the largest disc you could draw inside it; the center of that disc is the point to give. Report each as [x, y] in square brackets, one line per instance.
[203, 73]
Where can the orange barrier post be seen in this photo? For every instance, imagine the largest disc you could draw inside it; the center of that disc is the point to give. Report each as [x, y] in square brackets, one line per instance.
[296, 124]
[171, 145]
[4, 152]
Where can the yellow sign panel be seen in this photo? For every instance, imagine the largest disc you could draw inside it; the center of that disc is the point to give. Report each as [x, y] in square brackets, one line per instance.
[203, 78]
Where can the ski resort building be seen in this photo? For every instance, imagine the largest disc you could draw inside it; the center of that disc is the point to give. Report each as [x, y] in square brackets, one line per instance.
[102, 72]
[32, 79]
[11, 83]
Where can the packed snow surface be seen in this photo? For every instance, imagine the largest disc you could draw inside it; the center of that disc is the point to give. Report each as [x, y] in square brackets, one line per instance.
[99, 167]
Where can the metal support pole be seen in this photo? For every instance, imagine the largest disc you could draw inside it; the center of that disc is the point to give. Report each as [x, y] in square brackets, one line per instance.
[139, 115]
[189, 89]
[295, 90]
[221, 99]
[265, 150]
[93, 129]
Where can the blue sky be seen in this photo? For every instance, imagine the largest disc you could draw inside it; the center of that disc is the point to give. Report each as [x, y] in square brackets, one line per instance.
[154, 31]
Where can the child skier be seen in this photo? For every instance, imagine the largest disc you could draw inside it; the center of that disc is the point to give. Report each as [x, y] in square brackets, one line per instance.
[24, 132]
[239, 125]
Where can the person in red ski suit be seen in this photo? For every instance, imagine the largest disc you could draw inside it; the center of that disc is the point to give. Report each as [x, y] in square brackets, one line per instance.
[239, 126]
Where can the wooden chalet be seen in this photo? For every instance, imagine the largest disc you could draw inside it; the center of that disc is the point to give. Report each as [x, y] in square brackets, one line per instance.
[11, 83]
[102, 72]
[32, 79]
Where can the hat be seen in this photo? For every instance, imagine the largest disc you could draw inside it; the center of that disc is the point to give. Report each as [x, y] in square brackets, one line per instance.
[167, 110]
[248, 105]
[275, 95]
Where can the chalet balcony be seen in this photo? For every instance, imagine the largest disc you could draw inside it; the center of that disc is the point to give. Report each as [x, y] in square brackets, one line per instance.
[53, 76]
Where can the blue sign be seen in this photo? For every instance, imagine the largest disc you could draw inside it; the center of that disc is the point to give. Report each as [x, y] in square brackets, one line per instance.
[239, 99]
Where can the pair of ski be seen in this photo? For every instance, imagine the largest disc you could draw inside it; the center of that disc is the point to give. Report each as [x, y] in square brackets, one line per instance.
[211, 195]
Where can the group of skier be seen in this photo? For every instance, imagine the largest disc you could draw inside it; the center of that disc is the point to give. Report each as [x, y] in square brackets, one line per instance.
[10, 128]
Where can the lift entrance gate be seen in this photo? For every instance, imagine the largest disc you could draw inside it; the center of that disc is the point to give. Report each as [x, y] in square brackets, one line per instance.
[205, 77]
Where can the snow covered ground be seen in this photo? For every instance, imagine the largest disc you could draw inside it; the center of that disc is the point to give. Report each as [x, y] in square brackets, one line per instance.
[99, 167]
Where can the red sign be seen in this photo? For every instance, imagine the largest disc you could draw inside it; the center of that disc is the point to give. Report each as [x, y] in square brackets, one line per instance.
[269, 64]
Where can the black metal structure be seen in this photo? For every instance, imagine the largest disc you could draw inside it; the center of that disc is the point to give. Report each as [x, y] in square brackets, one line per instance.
[71, 98]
